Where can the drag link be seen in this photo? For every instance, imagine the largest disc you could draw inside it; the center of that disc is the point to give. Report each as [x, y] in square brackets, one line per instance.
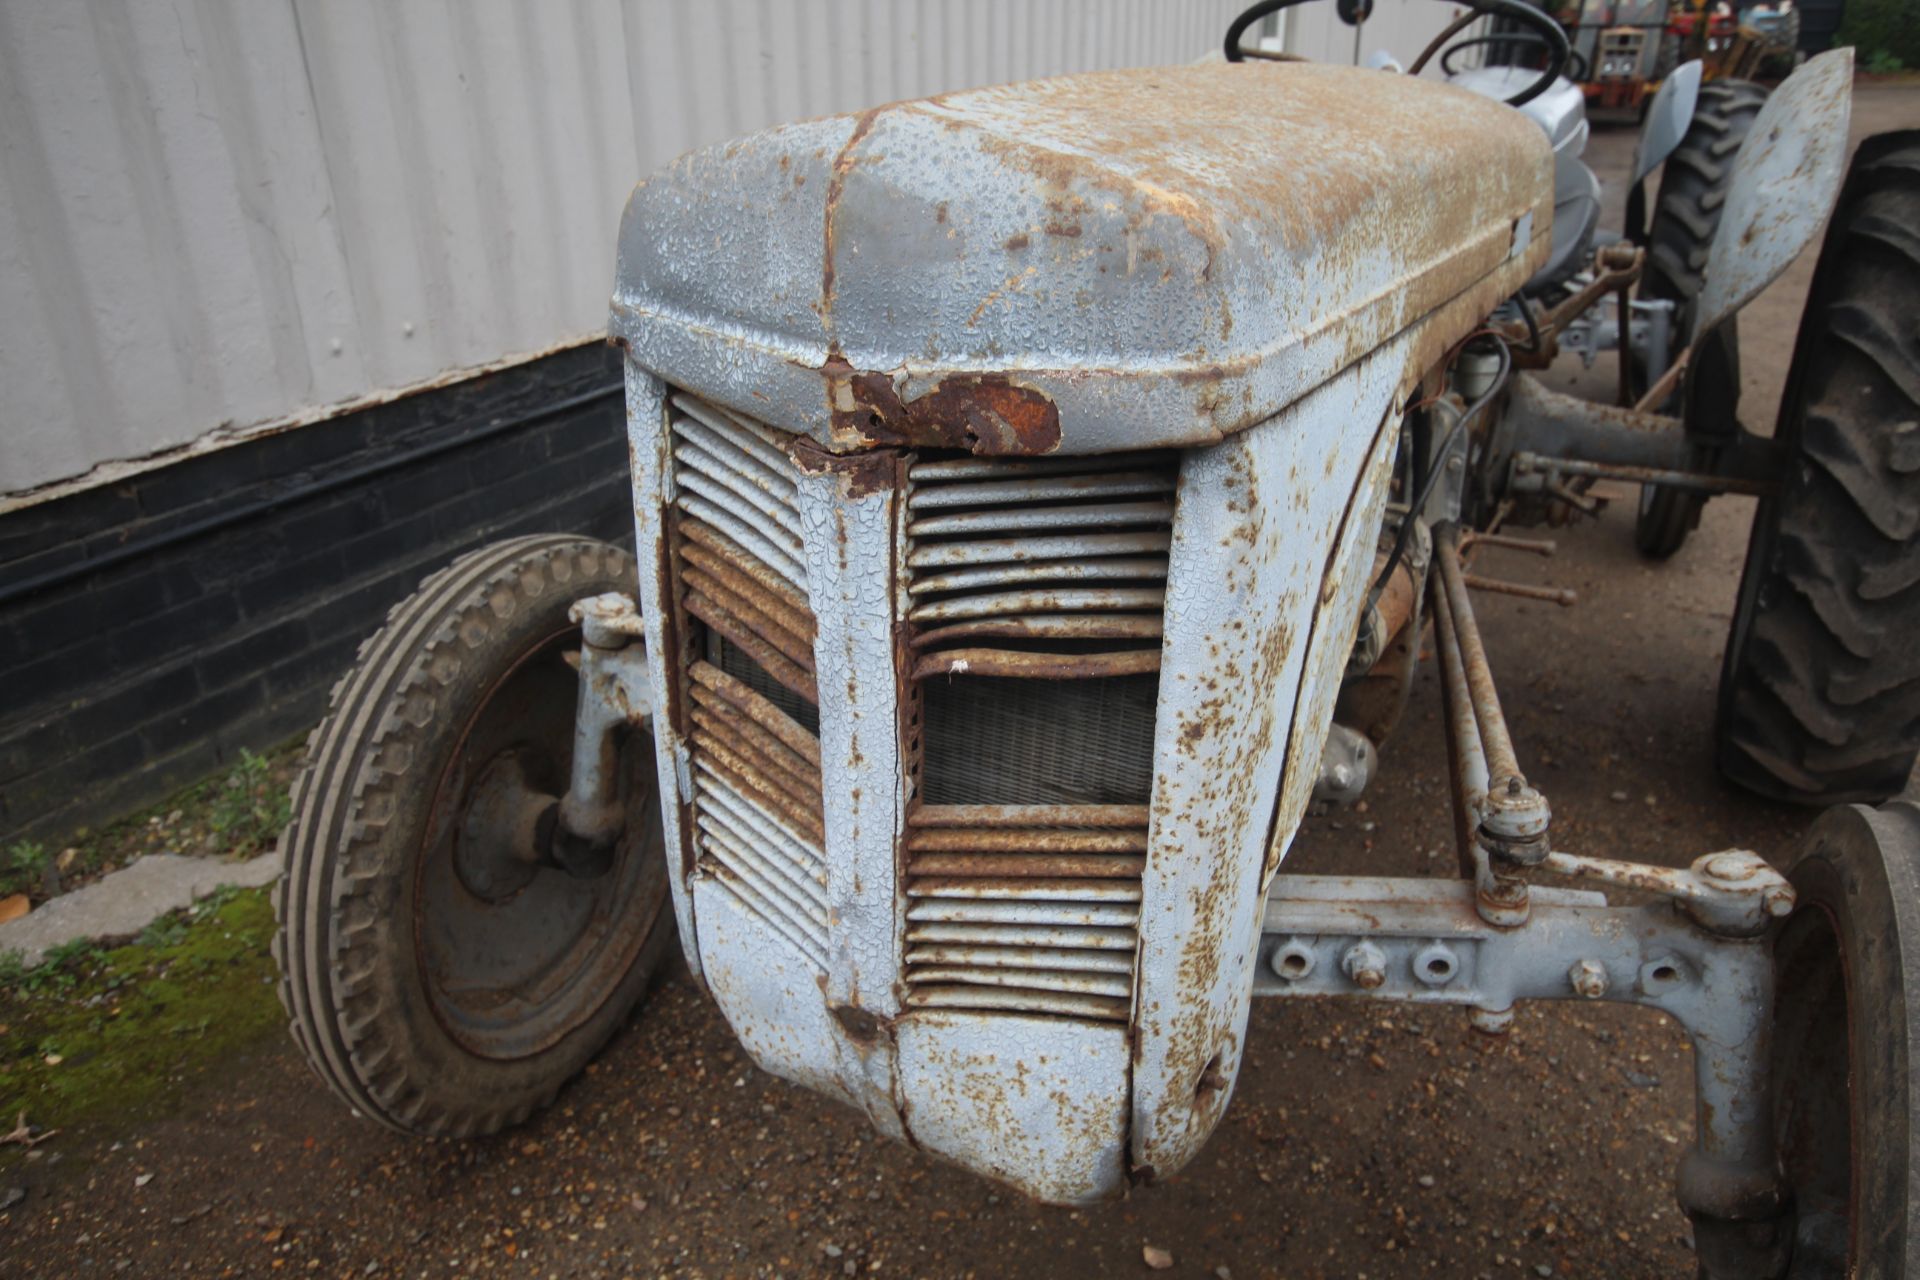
[1513, 817]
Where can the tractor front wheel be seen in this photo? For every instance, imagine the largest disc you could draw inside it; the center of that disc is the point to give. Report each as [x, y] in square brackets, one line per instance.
[443, 974]
[1846, 1040]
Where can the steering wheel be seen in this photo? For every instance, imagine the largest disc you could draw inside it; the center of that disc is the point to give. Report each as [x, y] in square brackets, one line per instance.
[1525, 14]
[1576, 61]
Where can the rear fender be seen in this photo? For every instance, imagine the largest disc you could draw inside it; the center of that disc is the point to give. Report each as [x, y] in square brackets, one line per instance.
[1784, 185]
[1669, 116]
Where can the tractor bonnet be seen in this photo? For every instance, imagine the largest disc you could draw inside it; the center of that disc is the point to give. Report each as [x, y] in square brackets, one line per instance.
[1108, 261]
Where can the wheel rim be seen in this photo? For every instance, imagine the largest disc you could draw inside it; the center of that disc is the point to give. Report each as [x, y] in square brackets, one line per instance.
[513, 952]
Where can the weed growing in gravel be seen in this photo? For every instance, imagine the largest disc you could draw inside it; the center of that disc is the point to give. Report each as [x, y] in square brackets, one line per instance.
[25, 870]
[251, 807]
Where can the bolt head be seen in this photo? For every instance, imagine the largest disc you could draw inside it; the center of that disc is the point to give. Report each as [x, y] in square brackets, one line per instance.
[1732, 866]
[1366, 966]
[1589, 979]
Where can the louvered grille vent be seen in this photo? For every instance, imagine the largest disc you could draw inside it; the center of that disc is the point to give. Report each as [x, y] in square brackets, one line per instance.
[1037, 592]
[1025, 908]
[1055, 567]
[749, 682]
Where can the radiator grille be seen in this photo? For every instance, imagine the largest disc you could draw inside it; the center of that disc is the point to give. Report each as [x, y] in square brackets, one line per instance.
[1024, 908]
[1047, 568]
[1036, 591]
[748, 683]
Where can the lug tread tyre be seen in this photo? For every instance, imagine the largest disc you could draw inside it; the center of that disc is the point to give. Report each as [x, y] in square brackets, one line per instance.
[1693, 187]
[368, 760]
[1820, 692]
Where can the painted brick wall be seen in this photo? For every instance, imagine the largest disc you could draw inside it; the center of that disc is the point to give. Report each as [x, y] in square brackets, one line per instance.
[151, 628]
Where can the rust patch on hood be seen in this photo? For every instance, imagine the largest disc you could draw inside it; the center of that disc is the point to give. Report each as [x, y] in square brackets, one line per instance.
[983, 413]
[860, 473]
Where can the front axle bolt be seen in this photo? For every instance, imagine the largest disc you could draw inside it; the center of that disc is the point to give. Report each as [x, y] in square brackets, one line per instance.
[1589, 978]
[1365, 965]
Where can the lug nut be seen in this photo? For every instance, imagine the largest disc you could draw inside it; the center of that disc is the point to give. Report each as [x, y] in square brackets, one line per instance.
[1589, 978]
[1365, 965]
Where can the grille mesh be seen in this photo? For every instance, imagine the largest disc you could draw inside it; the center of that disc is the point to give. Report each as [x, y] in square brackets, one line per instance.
[750, 699]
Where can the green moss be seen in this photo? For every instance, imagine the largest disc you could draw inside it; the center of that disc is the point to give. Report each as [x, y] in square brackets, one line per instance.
[95, 1034]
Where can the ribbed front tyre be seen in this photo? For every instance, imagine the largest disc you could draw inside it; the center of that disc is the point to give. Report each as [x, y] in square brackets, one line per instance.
[442, 974]
[1847, 1009]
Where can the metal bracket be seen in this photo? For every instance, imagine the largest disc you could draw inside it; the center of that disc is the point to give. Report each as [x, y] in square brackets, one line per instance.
[1702, 955]
[1425, 942]
[613, 693]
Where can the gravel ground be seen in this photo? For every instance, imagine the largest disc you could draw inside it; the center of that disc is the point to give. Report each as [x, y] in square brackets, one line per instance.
[1361, 1143]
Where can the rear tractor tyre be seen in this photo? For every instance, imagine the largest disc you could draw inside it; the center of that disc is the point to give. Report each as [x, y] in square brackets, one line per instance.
[1846, 1040]
[442, 975]
[1693, 187]
[1820, 686]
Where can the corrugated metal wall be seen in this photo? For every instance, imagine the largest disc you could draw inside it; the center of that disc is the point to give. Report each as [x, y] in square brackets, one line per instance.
[220, 215]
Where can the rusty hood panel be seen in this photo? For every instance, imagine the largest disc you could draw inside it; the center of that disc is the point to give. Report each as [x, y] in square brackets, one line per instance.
[1094, 262]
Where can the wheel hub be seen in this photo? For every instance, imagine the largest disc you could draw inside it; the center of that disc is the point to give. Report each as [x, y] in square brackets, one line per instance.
[505, 831]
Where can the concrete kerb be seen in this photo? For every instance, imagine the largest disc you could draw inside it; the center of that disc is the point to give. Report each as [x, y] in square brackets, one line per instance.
[128, 900]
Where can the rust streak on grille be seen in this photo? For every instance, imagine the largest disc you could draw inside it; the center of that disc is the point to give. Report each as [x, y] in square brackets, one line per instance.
[743, 758]
[775, 663]
[1038, 888]
[1036, 666]
[792, 647]
[1110, 866]
[760, 710]
[1030, 815]
[776, 761]
[1010, 840]
[1086, 626]
[702, 534]
[749, 578]
[1021, 1000]
[802, 814]
[718, 709]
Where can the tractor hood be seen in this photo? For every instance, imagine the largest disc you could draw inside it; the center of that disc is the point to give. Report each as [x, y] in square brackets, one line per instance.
[1096, 262]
